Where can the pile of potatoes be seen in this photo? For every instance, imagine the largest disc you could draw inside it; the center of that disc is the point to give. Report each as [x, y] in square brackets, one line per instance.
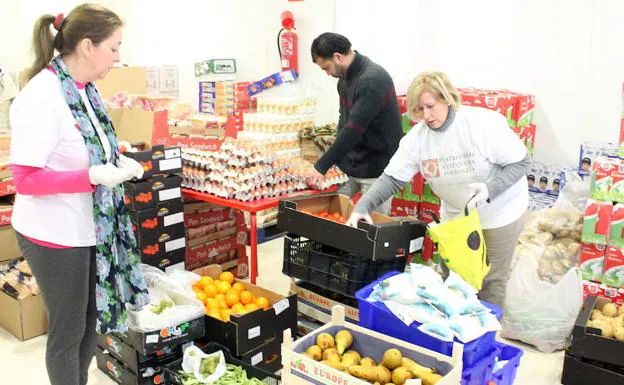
[394, 369]
[554, 237]
[610, 321]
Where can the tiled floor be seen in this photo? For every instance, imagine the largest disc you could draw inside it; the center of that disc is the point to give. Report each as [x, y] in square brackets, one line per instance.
[23, 363]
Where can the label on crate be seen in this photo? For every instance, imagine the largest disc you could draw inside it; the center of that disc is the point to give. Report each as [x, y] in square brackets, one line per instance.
[172, 153]
[255, 360]
[173, 219]
[281, 305]
[151, 339]
[172, 193]
[254, 333]
[170, 164]
[175, 244]
[416, 244]
[414, 381]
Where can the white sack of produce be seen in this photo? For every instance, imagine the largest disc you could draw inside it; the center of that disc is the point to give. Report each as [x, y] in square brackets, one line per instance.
[172, 301]
[446, 309]
[207, 368]
[545, 290]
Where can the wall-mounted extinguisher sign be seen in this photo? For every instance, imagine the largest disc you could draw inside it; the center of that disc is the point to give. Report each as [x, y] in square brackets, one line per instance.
[287, 43]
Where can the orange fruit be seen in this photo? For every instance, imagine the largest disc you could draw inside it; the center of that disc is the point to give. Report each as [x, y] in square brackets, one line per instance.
[210, 290]
[251, 307]
[246, 297]
[220, 296]
[203, 281]
[196, 288]
[232, 298]
[239, 287]
[223, 287]
[226, 276]
[238, 309]
[225, 314]
[201, 296]
[213, 313]
[212, 303]
[222, 304]
[263, 302]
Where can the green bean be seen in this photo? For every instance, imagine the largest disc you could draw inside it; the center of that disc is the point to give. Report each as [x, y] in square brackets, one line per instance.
[234, 375]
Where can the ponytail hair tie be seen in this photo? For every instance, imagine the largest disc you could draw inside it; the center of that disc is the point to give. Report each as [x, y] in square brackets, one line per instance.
[58, 21]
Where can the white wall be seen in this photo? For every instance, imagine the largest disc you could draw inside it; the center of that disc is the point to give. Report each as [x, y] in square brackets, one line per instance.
[566, 52]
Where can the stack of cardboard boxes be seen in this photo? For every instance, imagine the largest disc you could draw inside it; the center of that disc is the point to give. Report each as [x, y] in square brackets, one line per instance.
[156, 209]
[136, 358]
[215, 235]
[224, 97]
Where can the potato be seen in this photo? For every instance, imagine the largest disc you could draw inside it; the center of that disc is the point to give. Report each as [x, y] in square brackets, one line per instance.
[619, 333]
[400, 375]
[596, 314]
[574, 248]
[558, 267]
[621, 310]
[367, 361]
[335, 365]
[605, 327]
[325, 341]
[314, 352]
[610, 310]
[392, 359]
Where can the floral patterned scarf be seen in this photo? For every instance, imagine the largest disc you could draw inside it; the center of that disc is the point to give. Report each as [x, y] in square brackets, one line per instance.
[119, 278]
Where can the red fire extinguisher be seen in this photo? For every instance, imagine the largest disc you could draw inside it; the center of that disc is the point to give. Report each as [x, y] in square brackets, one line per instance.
[287, 43]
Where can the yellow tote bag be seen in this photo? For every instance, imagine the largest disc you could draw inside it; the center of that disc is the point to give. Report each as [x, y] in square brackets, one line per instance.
[462, 247]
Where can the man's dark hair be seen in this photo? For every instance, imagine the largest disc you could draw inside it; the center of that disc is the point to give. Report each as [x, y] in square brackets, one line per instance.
[328, 43]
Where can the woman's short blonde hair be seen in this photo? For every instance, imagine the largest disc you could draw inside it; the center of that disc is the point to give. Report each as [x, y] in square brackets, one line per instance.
[435, 82]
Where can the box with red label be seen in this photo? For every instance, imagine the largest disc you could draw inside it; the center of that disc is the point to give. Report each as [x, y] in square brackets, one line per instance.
[145, 194]
[527, 135]
[167, 218]
[6, 210]
[203, 218]
[404, 208]
[418, 185]
[429, 196]
[166, 261]
[247, 332]
[616, 231]
[523, 110]
[207, 253]
[591, 261]
[500, 102]
[602, 290]
[621, 149]
[158, 160]
[140, 364]
[613, 274]
[597, 222]
[428, 211]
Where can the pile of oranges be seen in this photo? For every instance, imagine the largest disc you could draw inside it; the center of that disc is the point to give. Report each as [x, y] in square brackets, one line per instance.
[335, 217]
[224, 297]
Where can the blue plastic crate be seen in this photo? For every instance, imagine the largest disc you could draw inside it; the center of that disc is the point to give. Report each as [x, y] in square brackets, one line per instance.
[507, 374]
[481, 372]
[377, 317]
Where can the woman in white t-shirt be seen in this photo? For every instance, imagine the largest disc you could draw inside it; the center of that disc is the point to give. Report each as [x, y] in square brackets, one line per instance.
[471, 159]
[72, 225]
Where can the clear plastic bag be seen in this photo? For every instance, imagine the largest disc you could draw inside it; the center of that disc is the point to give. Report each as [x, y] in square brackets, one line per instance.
[172, 301]
[541, 313]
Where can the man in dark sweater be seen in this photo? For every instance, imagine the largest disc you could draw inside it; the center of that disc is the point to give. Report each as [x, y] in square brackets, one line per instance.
[369, 127]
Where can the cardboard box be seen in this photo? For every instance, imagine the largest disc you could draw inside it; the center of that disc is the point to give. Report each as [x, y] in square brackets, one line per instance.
[590, 151]
[591, 261]
[383, 240]
[601, 290]
[25, 318]
[208, 252]
[145, 194]
[267, 357]
[121, 374]
[319, 299]
[6, 211]
[597, 222]
[249, 331]
[136, 125]
[167, 255]
[404, 208]
[429, 196]
[8, 240]
[152, 342]
[613, 275]
[138, 363]
[123, 79]
[602, 179]
[207, 217]
[429, 212]
[7, 187]
[523, 110]
[587, 342]
[271, 81]
[616, 232]
[158, 160]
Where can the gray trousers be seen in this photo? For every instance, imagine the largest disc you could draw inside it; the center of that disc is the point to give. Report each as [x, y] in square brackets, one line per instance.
[500, 243]
[355, 185]
[66, 278]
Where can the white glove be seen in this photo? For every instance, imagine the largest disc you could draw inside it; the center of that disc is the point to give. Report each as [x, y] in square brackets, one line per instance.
[479, 196]
[108, 175]
[132, 166]
[356, 217]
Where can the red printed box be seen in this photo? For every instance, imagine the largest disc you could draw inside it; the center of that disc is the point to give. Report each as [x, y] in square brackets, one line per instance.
[404, 208]
[207, 218]
[600, 290]
[418, 185]
[502, 103]
[523, 110]
[591, 261]
[428, 210]
[5, 215]
[207, 253]
[613, 275]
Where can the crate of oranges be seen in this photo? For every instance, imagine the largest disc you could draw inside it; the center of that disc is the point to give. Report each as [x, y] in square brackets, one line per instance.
[240, 315]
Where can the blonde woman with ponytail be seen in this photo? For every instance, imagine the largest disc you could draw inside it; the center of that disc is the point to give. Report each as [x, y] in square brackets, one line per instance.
[72, 225]
[472, 160]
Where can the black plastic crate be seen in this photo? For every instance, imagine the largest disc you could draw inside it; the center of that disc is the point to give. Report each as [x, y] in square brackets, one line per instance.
[171, 370]
[581, 371]
[331, 268]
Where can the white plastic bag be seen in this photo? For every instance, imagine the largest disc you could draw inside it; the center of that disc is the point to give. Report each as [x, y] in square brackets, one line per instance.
[192, 362]
[541, 313]
[172, 290]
